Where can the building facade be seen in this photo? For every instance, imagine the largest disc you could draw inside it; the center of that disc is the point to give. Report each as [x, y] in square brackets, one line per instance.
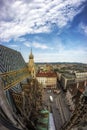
[73, 94]
[47, 79]
[66, 80]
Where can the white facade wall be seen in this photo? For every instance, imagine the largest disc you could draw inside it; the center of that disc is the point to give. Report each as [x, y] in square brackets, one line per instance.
[47, 81]
[42, 80]
[52, 81]
[81, 76]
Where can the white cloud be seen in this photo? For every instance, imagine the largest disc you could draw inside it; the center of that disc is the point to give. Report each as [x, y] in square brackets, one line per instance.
[36, 45]
[41, 46]
[20, 39]
[29, 17]
[13, 46]
[83, 28]
[27, 44]
[77, 55]
[60, 53]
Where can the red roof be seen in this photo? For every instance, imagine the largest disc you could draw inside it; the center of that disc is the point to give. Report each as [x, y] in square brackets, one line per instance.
[46, 74]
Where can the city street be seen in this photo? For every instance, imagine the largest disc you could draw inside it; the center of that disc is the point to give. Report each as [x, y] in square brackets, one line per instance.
[58, 107]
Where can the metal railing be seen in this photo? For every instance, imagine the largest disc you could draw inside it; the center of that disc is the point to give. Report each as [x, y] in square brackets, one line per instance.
[12, 78]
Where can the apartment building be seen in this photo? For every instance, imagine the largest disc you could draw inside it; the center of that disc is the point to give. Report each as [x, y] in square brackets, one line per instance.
[47, 79]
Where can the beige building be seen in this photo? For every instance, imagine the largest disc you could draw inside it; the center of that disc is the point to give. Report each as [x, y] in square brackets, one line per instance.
[77, 77]
[31, 65]
[81, 76]
[66, 79]
[47, 79]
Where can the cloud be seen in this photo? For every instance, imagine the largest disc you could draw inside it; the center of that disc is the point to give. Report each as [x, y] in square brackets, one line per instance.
[18, 18]
[36, 45]
[41, 46]
[13, 46]
[77, 55]
[60, 52]
[20, 39]
[83, 28]
[27, 44]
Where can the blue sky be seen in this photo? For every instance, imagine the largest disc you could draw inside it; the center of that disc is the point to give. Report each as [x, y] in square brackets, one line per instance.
[56, 30]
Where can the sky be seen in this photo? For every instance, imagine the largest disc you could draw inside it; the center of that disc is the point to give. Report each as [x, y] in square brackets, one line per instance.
[56, 30]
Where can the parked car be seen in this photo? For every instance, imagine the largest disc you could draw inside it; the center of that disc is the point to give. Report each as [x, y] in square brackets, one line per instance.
[51, 99]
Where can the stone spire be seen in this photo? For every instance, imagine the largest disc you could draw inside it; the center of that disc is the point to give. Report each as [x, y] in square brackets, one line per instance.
[31, 55]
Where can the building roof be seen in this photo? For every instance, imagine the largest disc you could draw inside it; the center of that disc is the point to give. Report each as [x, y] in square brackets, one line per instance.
[69, 75]
[10, 60]
[46, 74]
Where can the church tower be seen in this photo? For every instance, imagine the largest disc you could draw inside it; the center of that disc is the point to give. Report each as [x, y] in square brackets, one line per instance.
[31, 65]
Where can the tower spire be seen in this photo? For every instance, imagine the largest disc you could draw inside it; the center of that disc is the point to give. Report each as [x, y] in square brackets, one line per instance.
[31, 51]
[31, 55]
[31, 64]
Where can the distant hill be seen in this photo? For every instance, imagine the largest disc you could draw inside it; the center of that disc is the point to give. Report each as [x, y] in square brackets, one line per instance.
[60, 63]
